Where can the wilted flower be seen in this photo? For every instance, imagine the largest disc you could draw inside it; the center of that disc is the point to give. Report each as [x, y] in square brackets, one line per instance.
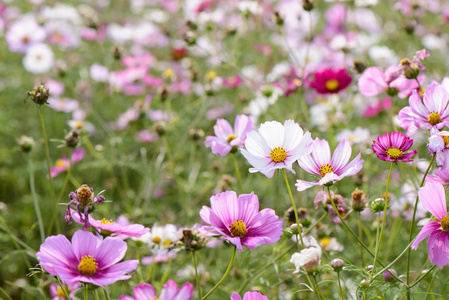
[85, 202]
[169, 292]
[391, 147]
[308, 258]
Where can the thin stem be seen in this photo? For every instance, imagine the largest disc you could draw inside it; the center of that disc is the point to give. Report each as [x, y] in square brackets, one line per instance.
[339, 285]
[360, 236]
[422, 277]
[318, 287]
[413, 225]
[36, 203]
[224, 276]
[294, 208]
[62, 288]
[5, 294]
[106, 294]
[237, 172]
[198, 286]
[47, 155]
[384, 220]
[431, 284]
[167, 270]
[306, 232]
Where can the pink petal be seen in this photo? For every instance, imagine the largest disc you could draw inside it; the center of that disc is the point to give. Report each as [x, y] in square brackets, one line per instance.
[433, 198]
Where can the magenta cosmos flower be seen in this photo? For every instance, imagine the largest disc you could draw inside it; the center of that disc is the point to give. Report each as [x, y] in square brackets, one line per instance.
[170, 291]
[87, 259]
[433, 198]
[225, 138]
[432, 113]
[276, 146]
[63, 163]
[240, 221]
[330, 169]
[329, 81]
[392, 147]
[249, 296]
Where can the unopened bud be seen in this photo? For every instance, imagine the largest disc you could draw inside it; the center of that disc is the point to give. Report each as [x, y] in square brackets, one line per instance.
[196, 134]
[364, 283]
[378, 205]
[409, 27]
[411, 68]
[191, 25]
[369, 268]
[26, 143]
[277, 18]
[359, 65]
[116, 51]
[358, 200]
[71, 139]
[39, 94]
[163, 93]
[308, 5]
[190, 38]
[337, 264]
[295, 229]
[388, 275]
[160, 127]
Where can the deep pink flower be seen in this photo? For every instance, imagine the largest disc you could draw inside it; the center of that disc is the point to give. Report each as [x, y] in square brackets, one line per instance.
[63, 163]
[240, 221]
[330, 169]
[170, 291]
[86, 259]
[232, 81]
[433, 198]
[226, 138]
[392, 147]
[249, 296]
[432, 113]
[329, 81]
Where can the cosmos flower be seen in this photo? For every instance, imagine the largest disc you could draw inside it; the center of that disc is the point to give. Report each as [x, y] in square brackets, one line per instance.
[39, 59]
[63, 163]
[58, 294]
[24, 33]
[170, 291]
[329, 81]
[85, 202]
[86, 259]
[433, 198]
[249, 296]
[431, 114]
[226, 138]
[239, 220]
[392, 147]
[276, 146]
[330, 169]
[309, 258]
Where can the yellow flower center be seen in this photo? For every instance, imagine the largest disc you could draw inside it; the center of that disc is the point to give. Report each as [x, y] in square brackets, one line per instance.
[325, 169]
[211, 75]
[60, 292]
[445, 140]
[434, 118]
[168, 73]
[332, 85]
[231, 137]
[104, 221]
[157, 240]
[61, 163]
[325, 242]
[79, 124]
[84, 194]
[278, 154]
[394, 153]
[88, 265]
[166, 242]
[445, 223]
[238, 228]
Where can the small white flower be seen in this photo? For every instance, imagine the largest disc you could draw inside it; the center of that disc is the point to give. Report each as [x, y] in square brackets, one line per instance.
[356, 136]
[383, 56]
[39, 59]
[308, 258]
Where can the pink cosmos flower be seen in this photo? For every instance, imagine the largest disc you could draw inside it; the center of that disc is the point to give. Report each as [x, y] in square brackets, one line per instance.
[249, 296]
[225, 138]
[376, 107]
[232, 81]
[239, 220]
[170, 291]
[63, 163]
[58, 294]
[329, 81]
[433, 198]
[276, 146]
[330, 169]
[23, 33]
[392, 147]
[441, 176]
[86, 259]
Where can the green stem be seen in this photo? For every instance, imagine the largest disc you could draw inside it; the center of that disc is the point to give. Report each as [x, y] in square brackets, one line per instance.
[294, 208]
[15, 243]
[84, 291]
[422, 277]
[106, 294]
[36, 203]
[198, 286]
[224, 276]
[360, 236]
[413, 225]
[237, 172]
[318, 287]
[384, 220]
[67, 296]
[431, 284]
[339, 286]
[306, 232]
[47, 155]
[5, 294]
[167, 270]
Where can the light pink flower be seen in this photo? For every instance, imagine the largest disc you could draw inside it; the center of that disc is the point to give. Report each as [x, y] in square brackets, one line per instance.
[170, 291]
[24, 33]
[63, 163]
[330, 169]
[249, 296]
[58, 294]
[433, 198]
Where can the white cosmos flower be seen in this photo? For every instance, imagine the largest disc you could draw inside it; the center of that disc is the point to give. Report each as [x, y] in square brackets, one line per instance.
[39, 59]
[308, 258]
[276, 146]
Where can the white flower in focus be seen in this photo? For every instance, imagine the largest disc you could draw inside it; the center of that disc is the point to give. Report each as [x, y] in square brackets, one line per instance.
[308, 258]
[39, 59]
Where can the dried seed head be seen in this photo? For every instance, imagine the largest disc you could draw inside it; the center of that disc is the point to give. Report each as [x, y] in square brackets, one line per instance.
[39, 94]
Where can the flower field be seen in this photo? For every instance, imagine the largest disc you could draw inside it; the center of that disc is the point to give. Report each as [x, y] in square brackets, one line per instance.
[211, 149]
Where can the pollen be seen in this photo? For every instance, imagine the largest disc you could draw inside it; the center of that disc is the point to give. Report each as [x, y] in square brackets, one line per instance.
[104, 221]
[84, 194]
[88, 266]
[394, 153]
[434, 118]
[231, 137]
[332, 85]
[278, 154]
[325, 169]
[445, 223]
[238, 228]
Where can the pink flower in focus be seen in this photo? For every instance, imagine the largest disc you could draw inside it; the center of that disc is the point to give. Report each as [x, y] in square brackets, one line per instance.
[433, 198]
[329, 81]
[86, 259]
[330, 169]
[240, 221]
[249, 296]
[226, 138]
[63, 163]
[170, 291]
[392, 147]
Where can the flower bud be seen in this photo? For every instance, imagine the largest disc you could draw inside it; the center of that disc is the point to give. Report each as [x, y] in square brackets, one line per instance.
[295, 229]
[277, 18]
[337, 264]
[196, 134]
[358, 200]
[26, 143]
[359, 65]
[369, 268]
[72, 139]
[190, 38]
[160, 127]
[364, 283]
[308, 5]
[163, 93]
[116, 52]
[411, 68]
[388, 277]
[39, 94]
[191, 25]
[378, 205]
